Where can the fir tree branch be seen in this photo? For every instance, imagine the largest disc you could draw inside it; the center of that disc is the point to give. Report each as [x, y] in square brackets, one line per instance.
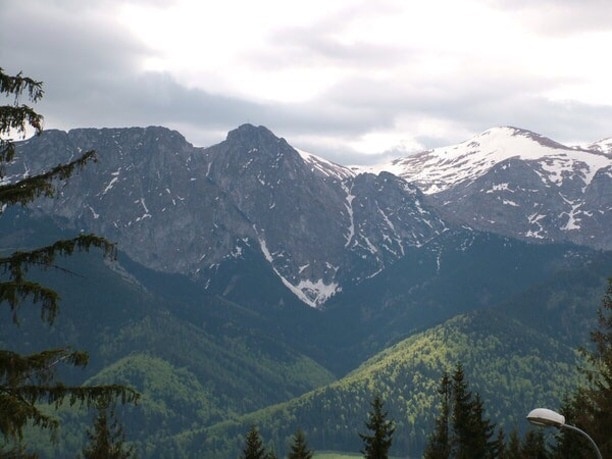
[15, 368]
[27, 381]
[29, 188]
[16, 289]
[16, 84]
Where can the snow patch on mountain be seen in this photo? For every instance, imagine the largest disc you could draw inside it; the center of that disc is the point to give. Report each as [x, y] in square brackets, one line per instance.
[602, 146]
[573, 218]
[326, 167]
[317, 292]
[112, 182]
[349, 209]
[313, 293]
[443, 168]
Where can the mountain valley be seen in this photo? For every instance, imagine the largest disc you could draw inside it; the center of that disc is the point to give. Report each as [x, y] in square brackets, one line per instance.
[260, 284]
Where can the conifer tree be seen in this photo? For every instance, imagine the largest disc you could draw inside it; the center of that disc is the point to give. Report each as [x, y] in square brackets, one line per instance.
[376, 444]
[253, 447]
[499, 445]
[462, 431]
[461, 414]
[590, 407]
[299, 448]
[438, 446]
[570, 445]
[27, 381]
[513, 449]
[482, 430]
[471, 431]
[598, 396]
[106, 439]
[534, 446]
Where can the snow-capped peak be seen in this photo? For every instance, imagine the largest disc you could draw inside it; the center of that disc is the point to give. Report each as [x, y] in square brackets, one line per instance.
[442, 168]
[603, 146]
[326, 167]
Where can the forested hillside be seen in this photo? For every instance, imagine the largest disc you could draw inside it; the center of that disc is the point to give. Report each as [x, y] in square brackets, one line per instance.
[204, 362]
[512, 366]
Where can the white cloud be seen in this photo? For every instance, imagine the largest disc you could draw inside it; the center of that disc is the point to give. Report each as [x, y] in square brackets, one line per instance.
[335, 77]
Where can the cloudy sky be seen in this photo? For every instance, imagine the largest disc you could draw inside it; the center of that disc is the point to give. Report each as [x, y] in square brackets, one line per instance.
[348, 80]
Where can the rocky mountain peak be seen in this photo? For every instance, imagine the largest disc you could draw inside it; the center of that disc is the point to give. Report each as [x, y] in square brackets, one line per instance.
[252, 136]
[319, 227]
[521, 184]
[442, 169]
[518, 183]
[499, 133]
[603, 146]
[179, 209]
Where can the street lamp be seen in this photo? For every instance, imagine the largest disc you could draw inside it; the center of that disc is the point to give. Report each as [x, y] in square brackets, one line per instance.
[544, 417]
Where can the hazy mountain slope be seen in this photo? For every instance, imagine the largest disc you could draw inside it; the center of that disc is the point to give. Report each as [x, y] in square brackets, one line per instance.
[461, 271]
[512, 366]
[196, 359]
[562, 307]
[322, 228]
[179, 209]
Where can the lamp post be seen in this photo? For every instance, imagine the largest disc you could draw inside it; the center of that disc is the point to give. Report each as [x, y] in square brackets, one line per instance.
[544, 417]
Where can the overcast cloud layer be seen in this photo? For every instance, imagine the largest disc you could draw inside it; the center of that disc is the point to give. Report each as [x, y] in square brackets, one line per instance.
[350, 81]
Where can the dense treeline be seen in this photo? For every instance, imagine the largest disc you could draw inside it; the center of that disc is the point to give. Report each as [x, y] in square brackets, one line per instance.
[462, 429]
[499, 362]
[590, 407]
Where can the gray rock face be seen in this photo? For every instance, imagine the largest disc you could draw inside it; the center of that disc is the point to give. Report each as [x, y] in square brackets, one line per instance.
[320, 226]
[176, 208]
[519, 184]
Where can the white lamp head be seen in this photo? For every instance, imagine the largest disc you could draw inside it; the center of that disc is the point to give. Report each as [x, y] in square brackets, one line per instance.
[546, 418]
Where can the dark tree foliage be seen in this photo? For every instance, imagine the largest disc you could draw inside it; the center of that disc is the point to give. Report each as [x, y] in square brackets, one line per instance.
[471, 431]
[461, 431]
[438, 446]
[461, 443]
[513, 447]
[590, 407]
[569, 444]
[499, 445]
[253, 446]
[534, 446]
[27, 381]
[376, 444]
[598, 397]
[106, 438]
[299, 447]
[482, 431]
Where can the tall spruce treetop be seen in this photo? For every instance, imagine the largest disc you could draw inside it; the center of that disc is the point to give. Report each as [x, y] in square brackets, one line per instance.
[534, 445]
[438, 446]
[106, 438]
[471, 430]
[376, 444]
[299, 448]
[253, 446]
[461, 429]
[28, 381]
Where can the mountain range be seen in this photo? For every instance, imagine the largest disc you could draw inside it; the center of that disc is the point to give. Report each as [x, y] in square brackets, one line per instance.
[321, 227]
[518, 183]
[258, 283]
